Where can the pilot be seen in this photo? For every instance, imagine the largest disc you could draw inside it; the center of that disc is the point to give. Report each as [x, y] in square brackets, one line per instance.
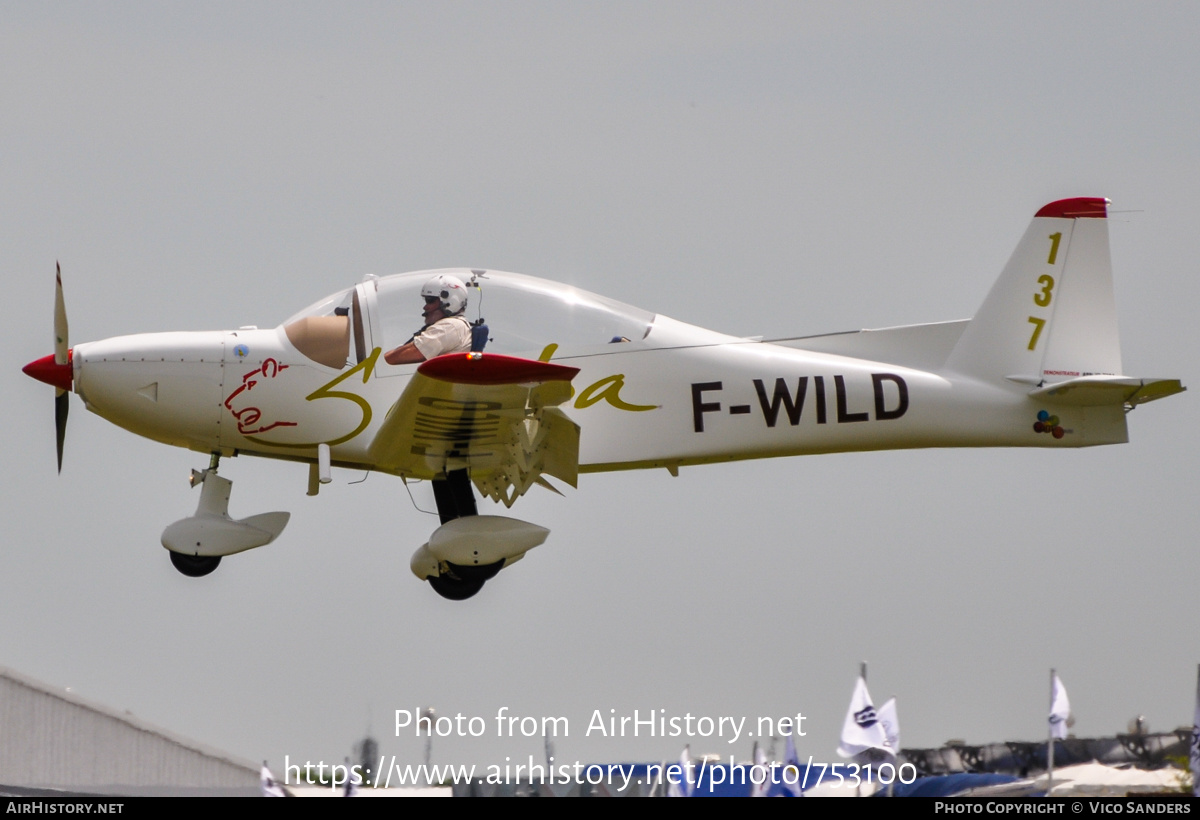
[446, 329]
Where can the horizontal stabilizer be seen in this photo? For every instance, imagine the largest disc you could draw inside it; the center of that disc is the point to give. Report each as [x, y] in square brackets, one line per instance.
[1098, 391]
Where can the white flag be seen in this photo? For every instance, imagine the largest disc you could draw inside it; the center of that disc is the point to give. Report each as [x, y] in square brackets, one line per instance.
[1196, 741]
[861, 730]
[891, 726]
[1060, 710]
[268, 785]
[763, 771]
[793, 779]
[687, 776]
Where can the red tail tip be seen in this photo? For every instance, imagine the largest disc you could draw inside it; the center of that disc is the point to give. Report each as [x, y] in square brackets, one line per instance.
[1083, 207]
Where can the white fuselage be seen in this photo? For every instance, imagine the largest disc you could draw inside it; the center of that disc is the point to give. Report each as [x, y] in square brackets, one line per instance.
[681, 395]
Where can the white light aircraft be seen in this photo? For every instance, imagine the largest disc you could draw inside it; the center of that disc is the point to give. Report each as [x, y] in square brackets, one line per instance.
[572, 382]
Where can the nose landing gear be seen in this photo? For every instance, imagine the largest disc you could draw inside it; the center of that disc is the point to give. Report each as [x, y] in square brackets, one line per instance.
[197, 544]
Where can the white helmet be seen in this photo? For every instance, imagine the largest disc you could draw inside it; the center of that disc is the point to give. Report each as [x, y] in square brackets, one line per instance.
[450, 290]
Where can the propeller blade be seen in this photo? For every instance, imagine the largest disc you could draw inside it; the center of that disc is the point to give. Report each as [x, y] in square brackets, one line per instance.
[62, 352]
[56, 369]
[61, 345]
[62, 404]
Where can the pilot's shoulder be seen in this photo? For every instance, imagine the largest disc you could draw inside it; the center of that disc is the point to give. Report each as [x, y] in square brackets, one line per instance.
[446, 336]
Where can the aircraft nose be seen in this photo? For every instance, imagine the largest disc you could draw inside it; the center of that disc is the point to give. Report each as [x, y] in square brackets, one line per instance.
[51, 372]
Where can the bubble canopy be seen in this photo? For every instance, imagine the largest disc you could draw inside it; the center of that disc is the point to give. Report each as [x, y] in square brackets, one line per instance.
[523, 313]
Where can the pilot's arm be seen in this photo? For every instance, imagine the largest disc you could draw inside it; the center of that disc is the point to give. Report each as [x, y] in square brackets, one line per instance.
[404, 354]
[452, 335]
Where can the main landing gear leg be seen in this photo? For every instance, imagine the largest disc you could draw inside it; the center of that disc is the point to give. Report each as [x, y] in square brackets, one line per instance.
[454, 496]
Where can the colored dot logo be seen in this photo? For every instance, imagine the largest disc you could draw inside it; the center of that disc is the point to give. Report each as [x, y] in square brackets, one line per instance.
[1047, 423]
[866, 717]
[241, 351]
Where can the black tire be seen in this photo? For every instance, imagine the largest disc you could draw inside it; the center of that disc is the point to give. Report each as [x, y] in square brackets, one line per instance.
[455, 589]
[485, 572]
[194, 566]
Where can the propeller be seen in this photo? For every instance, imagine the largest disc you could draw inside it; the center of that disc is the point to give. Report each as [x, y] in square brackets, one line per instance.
[55, 369]
[62, 357]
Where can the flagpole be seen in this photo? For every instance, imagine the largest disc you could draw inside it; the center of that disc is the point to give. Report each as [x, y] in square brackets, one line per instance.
[1050, 741]
[895, 762]
[1196, 740]
[862, 672]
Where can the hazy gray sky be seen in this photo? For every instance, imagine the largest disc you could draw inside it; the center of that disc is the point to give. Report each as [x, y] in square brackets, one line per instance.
[756, 168]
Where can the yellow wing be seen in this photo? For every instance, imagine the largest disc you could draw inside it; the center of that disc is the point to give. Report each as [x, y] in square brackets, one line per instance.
[494, 415]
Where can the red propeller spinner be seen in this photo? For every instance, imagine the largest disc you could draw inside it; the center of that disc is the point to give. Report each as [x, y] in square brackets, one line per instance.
[51, 372]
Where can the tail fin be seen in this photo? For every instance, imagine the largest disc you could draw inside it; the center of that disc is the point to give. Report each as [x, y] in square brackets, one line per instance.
[1050, 316]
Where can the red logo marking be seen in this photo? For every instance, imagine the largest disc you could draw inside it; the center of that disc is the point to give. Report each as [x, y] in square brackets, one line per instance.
[248, 417]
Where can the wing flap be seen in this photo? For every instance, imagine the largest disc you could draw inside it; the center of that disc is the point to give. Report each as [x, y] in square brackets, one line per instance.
[494, 415]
